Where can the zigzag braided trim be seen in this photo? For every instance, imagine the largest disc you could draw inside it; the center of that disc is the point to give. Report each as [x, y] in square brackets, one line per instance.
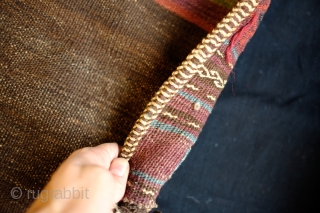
[186, 71]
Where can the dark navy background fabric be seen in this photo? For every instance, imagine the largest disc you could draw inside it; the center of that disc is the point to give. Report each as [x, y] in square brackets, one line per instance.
[259, 150]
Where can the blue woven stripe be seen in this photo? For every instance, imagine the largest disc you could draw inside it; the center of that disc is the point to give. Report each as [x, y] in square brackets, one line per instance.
[236, 55]
[194, 100]
[173, 129]
[147, 177]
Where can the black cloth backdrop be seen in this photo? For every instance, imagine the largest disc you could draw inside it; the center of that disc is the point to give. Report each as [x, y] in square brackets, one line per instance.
[259, 150]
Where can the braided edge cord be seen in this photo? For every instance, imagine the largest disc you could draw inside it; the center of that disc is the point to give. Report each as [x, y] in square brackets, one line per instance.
[186, 71]
[193, 63]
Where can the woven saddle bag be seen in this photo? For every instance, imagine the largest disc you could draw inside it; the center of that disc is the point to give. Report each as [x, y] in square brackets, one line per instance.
[143, 73]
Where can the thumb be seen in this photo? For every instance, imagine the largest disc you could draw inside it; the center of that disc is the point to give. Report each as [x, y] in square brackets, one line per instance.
[119, 168]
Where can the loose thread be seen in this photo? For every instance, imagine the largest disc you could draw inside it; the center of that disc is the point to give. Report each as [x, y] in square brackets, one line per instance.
[238, 35]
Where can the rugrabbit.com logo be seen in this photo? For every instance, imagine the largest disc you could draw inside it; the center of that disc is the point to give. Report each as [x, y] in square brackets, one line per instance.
[45, 195]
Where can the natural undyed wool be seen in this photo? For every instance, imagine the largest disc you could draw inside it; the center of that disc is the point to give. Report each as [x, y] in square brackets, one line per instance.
[77, 73]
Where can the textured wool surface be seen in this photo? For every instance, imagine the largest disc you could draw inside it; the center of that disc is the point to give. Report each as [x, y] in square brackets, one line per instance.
[166, 131]
[79, 73]
[74, 74]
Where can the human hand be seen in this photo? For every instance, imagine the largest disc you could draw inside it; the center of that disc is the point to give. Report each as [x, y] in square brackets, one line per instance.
[94, 178]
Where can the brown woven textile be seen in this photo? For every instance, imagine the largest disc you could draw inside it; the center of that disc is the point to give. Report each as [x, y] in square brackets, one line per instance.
[77, 73]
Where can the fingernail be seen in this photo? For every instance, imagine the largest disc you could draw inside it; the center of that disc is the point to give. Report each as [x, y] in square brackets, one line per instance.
[119, 166]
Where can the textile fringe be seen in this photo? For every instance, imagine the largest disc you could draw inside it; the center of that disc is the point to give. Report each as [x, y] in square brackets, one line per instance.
[125, 207]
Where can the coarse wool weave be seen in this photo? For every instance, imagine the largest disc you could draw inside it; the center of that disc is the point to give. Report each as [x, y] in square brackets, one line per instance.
[80, 73]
